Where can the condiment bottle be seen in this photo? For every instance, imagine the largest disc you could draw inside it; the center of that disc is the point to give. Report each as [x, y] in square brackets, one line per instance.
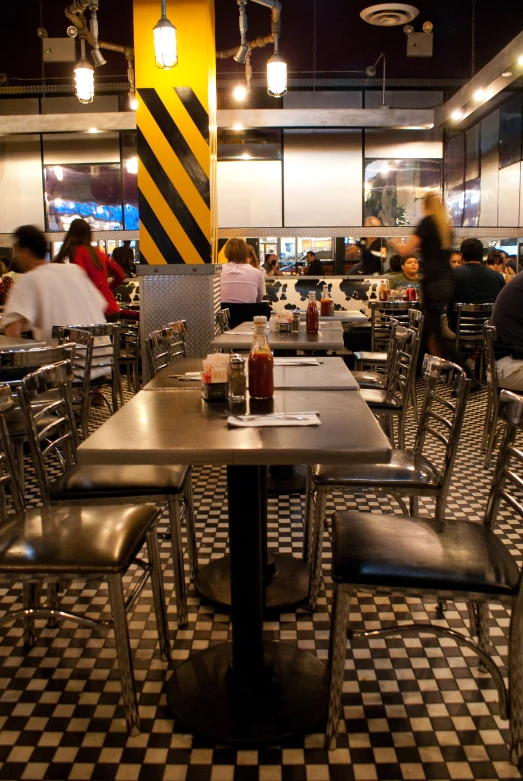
[295, 322]
[384, 291]
[237, 379]
[311, 317]
[325, 303]
[273, 322]
[261, 363]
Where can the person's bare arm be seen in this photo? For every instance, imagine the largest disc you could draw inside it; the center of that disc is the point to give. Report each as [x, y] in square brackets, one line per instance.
[410, 247]
[15, 328]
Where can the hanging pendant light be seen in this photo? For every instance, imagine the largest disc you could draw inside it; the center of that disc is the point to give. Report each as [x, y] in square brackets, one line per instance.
[84, 77]
[276, 74]
[165, 43]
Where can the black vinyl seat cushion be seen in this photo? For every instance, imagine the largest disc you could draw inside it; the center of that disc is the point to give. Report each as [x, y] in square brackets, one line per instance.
[404, 470]
[396, 551]
[368, 379]
[119, 481]
[371, 357]
[379, 399]
[69, 540]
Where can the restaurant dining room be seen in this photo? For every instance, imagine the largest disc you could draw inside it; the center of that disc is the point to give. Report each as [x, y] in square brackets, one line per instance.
[261, 391]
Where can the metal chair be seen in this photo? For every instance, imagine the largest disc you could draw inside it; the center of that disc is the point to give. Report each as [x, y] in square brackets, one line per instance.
[490, 430]
[408, 473]
[81, 361]
[105, 360]
[442, 559]
[106, 484]
[469, 330]
[222, 320]
[130, 354]
[164, 345]
[44, 545]
[382, 314]
[392, 403]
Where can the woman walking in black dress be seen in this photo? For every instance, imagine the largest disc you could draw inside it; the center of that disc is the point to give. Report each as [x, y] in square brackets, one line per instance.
[433, 239]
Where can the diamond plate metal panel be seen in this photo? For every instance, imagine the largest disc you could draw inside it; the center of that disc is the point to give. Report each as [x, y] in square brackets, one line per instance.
[357, 231]
[195, 298]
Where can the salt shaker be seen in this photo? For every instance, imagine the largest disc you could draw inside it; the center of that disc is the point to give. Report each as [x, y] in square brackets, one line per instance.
[237, 379]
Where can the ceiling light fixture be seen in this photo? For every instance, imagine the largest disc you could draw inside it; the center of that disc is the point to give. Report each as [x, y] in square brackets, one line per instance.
[239, 92]
[520, 60]
[506, 74]
[84, 77]
[276, 76]
[165, 41]
[479, 95]
[132, 165]
[94, 130]
[58, 172]
[133, 101]
[457, 115]
[237, 127]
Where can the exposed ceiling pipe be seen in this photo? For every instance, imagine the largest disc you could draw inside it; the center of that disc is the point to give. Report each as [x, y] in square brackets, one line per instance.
[256, 43]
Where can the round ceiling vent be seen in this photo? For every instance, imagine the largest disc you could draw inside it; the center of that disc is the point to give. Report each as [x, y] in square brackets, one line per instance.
[389, 14]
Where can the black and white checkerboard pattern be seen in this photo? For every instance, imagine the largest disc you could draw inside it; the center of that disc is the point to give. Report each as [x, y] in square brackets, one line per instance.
[414, 708]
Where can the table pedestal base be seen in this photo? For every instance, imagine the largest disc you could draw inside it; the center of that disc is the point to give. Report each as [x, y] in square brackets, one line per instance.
[286, 586]
[287, 480]
[204, 699]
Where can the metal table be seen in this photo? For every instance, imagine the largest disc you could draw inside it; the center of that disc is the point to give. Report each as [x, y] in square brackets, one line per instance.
[351, 316]
[19, 343]
[248, 691]
[240, 338]
[330, 374]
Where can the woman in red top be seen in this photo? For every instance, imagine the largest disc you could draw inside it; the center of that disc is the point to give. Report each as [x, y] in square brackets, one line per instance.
[99, 267]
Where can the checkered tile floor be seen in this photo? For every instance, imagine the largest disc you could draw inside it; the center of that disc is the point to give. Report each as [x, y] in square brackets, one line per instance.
[413, 708]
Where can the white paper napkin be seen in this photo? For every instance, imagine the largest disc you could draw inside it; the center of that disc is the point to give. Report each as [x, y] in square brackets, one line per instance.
[296, 362]
[264, 421]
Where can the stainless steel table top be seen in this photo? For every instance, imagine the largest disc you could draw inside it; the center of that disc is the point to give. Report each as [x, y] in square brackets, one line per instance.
[329, 374]
[240, 338]
[19, 343]
[352, 316]
[180, 428]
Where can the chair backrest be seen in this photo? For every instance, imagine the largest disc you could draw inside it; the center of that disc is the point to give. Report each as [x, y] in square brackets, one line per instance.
[382, 313]
[45, 398]
[489, 338]
[163, 346]
[507, 483]
[222, 320]
[403, 368]
[179, 346]
[26, 360]
[441, 416]
[8, 472]
[469, 323]
[245, 313]
[416, 320]
[81, 362]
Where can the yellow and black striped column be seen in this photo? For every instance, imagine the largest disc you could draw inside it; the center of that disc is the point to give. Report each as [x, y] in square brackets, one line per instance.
[176, 135]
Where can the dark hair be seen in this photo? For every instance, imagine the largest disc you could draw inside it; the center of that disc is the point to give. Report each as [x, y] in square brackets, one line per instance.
[471, 249]
[269, 255]
[310, 252]
[495, 258]
[78, 235]
[29, 237]
[395, 263]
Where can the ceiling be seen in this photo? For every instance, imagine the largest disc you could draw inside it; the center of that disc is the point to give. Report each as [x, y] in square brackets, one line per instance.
[343, 41]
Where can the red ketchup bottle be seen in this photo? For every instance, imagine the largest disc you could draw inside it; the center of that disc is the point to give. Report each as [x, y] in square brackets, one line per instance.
[311, 316]
[261, 363]
[325, 303]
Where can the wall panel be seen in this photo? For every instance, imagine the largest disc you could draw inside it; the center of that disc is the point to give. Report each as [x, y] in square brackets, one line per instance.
[489, 170]
[249, 193]
[509, 187]
[413, 144]
[64, 148]
[21, 187]
[322, 177]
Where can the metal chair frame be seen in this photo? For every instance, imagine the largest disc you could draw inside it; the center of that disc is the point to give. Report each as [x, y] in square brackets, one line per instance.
[469, 329]
[35, 384]
[382, 312]
[491, 430]
[130, 354]
[506, 485]
[441, 420]
[61, 440]
[222, 320]
[81, 362]
[164, 345]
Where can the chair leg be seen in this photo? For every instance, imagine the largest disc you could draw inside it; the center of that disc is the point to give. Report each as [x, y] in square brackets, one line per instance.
[337, 653]
[516, 683]
[52, 602]
[483, 630]
[177, 552]
[190, 525]
[414, 506]
[401, 430]
[492, 437]
[414, 398]
[158, 595]
[19, 458]
[316, 548]
[487, 426]
[31, 599]
[123, 653]
[308, 516]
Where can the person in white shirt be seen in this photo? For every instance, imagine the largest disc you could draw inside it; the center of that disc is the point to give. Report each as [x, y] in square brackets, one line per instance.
[241, 283]
[48, 294]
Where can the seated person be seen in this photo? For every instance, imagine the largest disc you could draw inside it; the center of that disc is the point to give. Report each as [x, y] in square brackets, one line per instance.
[240, 282]
[507, 317]
[395, 263]
[371, 251]
[455, 259]
[274, 270]
[495, 261]
[314, 268]
[409, 276]
[475, 284]
[269, 257]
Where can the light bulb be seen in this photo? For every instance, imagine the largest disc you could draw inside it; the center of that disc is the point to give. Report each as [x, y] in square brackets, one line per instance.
[237, 126]
[520, 60]
[276, 76]
[456, 115]
[239, 92]
[165, 44]
[84, 81]
[133, 101]
[479, 95]
[58, 172]
[132, 165]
